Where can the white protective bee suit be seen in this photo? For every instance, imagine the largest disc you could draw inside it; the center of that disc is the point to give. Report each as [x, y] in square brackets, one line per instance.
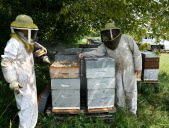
[18, 66]
[127, 60]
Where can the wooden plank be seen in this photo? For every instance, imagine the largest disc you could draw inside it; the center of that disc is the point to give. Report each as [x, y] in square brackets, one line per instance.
[66, 110]
[65, 98]
[101, 109]
[100, 83]
[65, 83]
[42, 99]
[97, 110]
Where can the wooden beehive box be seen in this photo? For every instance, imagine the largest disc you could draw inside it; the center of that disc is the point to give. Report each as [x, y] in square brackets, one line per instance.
[100, 75]
[64, 69]
[65, 82]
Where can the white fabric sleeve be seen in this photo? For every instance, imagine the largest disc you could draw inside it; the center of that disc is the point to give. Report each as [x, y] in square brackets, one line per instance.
[100, 51]
[136, 53]
[10, 54]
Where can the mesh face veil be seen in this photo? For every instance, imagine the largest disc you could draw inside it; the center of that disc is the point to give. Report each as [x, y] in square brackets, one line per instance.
[24, 22]
[109, 34]
[29, 37]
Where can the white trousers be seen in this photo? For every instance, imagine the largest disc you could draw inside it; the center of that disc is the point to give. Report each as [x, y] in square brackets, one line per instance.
[126, 90]
[28, 114]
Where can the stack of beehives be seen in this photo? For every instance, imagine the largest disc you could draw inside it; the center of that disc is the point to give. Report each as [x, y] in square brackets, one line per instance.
[82, 86]
[100, 76]
[65, 83]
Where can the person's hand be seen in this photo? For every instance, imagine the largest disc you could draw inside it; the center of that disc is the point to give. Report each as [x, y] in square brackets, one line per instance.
[137, 72]
[81, 55]
[15, 86]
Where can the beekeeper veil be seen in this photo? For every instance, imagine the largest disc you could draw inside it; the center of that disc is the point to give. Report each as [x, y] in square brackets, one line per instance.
[24, 30]
[24, 22]
[110, 36]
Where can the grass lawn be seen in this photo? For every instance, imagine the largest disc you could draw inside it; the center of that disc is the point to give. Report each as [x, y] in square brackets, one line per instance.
[153, 106]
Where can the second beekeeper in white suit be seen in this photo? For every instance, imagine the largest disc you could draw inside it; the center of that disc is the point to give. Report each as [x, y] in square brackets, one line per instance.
[128, 63]
[18, 68]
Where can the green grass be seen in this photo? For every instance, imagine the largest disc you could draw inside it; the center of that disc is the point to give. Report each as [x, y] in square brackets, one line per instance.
[153, 106]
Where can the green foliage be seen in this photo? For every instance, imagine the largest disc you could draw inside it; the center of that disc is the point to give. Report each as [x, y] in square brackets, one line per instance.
[42, 76]
[68, 21]
[65, 22]
[8, 108]
[145, 46]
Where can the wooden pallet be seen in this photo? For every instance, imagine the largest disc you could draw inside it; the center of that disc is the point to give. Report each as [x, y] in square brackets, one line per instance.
[95, 110]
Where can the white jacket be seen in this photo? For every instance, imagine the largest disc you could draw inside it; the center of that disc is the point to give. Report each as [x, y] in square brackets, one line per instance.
[18, 65]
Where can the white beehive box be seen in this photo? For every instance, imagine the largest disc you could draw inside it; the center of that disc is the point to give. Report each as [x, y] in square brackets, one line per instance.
[65, 93]
[100, 67]
[100, 74]
[101, 92]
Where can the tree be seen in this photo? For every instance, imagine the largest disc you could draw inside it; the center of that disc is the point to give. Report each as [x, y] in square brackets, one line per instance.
[67, 21]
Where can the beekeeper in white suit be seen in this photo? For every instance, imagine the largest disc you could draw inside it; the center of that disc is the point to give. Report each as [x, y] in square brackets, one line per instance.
[128, 63]
[18, 68]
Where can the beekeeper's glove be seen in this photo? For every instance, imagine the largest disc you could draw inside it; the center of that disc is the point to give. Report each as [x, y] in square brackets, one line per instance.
[15, 86]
